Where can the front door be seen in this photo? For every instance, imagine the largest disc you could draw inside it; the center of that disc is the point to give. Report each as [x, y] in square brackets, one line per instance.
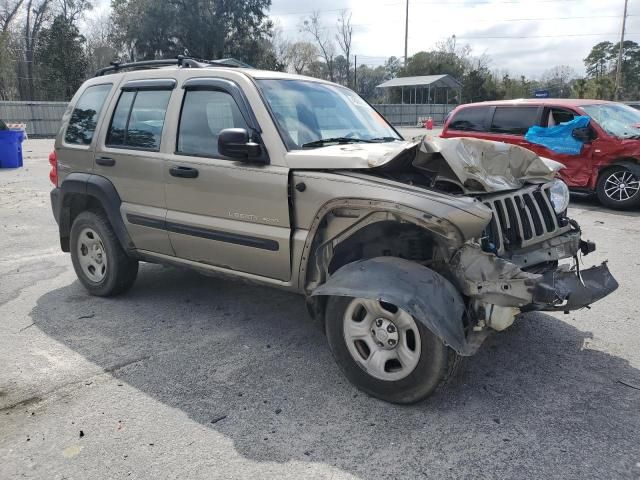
[577, 168]
[128, 154]
[223, 212]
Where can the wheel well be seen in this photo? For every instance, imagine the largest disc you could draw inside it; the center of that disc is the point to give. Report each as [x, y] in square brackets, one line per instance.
[384, 239]
[390, 238]
[620, 162]
[74, 204]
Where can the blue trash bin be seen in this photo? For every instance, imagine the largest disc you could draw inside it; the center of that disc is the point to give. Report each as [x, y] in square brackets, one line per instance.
[11, 148]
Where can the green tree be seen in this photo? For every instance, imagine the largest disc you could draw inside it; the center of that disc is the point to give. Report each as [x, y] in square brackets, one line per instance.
[599, 61]
[210, 29]
[368, 79]
[61, 60]
[392, 68]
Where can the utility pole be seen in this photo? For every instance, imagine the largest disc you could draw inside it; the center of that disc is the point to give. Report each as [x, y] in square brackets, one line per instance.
[619, 69]
[406, 32]
[355, 73]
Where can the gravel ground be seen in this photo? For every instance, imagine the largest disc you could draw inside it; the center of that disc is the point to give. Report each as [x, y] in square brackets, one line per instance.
[193, 377]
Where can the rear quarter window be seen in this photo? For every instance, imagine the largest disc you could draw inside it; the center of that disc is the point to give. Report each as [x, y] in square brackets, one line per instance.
[82, 124]
[514, 120]
[471, 119]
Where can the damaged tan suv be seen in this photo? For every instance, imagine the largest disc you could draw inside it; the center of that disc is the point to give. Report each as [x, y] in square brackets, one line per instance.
[408, 252]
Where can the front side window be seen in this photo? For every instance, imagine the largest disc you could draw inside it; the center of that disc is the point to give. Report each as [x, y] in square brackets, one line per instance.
[82, 124]
[514, 120]
[308, 112]
[204, 114]
[470, 119]
[138, 119]
[616, 119]
[556, 116]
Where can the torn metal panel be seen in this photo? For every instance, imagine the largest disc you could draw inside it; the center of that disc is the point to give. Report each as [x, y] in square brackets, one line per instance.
[481, 166]
[427, 296]
[483, 275]
[570, 290]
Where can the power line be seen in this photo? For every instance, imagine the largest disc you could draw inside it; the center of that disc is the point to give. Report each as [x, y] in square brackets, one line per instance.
[505, 20]
[484, 2]
[516, 37]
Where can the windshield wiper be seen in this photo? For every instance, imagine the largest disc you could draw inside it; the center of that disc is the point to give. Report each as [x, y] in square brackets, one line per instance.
[324, 141]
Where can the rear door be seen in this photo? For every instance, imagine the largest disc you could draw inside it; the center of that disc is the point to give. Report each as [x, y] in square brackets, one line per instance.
[510, 123]
[220, 211]
[129, 156]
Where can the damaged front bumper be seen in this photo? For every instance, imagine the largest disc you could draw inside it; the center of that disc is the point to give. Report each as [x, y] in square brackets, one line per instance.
[491, 280]
[565, 290]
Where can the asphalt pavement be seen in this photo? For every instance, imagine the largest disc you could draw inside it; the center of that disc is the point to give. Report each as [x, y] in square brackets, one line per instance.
[191, 377]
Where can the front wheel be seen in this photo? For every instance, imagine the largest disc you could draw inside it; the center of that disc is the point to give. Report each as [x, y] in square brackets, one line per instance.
[619, 188]
[384, 351]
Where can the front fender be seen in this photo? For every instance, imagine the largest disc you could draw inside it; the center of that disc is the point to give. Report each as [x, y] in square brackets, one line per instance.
[426, 295]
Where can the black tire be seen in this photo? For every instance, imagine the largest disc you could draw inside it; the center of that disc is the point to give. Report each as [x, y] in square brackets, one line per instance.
[436, 365]
[120, 271]
[604, 183]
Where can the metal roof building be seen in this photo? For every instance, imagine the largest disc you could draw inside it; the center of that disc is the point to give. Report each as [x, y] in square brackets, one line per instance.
[424, 89]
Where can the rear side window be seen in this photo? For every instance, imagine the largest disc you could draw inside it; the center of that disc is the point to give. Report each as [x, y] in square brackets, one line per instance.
[514, 120]
[138, 119]
[204, 114]
[84, 117]
[470, 119]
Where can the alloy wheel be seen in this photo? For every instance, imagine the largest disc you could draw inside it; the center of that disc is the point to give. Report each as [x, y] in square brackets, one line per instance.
[621, 185]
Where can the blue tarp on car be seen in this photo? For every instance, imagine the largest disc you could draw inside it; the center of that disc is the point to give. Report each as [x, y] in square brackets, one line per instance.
[559, 138]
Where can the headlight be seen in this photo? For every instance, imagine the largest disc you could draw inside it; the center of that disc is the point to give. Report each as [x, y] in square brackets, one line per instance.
[559, 196]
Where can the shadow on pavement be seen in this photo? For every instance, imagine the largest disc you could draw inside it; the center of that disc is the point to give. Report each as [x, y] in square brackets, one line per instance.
[532, 403]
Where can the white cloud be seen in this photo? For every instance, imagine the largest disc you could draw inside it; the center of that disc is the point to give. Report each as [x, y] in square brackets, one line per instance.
[556, 40]
[379, 28]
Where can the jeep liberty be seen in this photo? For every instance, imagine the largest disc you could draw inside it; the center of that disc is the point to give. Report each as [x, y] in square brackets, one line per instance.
[407, 253]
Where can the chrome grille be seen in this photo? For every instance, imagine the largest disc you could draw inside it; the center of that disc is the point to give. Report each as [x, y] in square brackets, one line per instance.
[521, 218]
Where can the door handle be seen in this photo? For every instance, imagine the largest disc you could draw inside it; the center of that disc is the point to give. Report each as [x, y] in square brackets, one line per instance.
[184, 172]
[105, 161]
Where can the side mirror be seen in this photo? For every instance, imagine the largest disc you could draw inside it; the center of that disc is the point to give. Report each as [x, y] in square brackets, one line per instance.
[583, 134]
[235, 143]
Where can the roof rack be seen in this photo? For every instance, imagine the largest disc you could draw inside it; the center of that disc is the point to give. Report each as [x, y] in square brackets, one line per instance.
[180, 61]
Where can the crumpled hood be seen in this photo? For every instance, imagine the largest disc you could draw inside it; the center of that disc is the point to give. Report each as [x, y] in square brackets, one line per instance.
[482, 166]
[349, 156]
[477, 166]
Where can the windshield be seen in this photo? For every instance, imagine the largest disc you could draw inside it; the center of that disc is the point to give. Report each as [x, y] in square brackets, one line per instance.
[616, 119]
[308, 112]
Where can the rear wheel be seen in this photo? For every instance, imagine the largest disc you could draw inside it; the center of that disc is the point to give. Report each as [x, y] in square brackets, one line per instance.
[101, 264]
[619, 188]
[384, 351]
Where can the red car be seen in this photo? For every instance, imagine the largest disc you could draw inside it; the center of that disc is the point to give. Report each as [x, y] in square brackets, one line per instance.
[609, 163]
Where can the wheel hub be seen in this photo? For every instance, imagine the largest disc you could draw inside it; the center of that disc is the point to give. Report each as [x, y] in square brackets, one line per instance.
[385, 333]
[96, 253]
[383, 339]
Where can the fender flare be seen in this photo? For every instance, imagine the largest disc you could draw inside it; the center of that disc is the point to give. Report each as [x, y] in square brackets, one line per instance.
[426, 295]
[104, 192]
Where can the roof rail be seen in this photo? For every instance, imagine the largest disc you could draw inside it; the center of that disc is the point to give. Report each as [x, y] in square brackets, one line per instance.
[180, 61]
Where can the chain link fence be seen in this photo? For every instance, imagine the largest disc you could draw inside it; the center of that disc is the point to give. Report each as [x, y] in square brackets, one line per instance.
[414, 115]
